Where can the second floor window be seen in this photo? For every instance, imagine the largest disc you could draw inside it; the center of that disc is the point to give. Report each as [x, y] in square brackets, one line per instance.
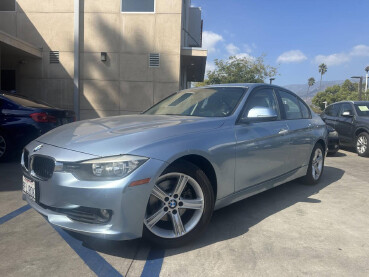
[138, 6]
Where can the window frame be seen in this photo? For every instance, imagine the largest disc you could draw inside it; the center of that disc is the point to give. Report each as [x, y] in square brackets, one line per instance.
[121, 9]
[255, 90]
[353, 111]
[302, 102]
[12, 11]
[284, 115]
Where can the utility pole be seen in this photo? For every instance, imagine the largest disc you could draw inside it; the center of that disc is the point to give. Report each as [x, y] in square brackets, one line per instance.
[360, 85]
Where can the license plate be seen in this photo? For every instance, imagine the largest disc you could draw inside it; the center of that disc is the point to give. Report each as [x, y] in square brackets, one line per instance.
[29, 188]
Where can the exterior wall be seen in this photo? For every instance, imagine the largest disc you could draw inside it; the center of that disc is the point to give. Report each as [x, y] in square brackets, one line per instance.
[123, 84]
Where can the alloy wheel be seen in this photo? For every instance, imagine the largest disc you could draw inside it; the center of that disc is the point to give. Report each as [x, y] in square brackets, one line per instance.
[2, 146]
[361, 144]
[175, 206]
[317, 164]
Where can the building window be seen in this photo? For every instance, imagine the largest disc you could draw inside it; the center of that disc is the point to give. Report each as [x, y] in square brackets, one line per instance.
[138, 6]
[7, 5]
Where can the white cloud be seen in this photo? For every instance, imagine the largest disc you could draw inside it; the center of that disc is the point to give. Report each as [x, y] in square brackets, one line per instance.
[360, 50]
[333, 59]
[232, 49]
[210, 39]
[245, 55]
[248, 48]
[292, 56]
[210, 66]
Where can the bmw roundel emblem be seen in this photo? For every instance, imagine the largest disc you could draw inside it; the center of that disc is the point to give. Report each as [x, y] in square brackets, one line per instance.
[37, 148]
[172, 204]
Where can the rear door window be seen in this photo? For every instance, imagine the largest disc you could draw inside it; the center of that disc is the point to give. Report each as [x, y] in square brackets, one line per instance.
[291, 105]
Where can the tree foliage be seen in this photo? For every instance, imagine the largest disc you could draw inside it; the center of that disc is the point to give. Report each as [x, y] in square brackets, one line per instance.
[239, 70]
[322, 70]
[347, 91]
[311, 82]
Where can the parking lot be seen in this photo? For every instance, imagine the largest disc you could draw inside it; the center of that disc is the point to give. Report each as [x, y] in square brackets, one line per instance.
[291, 230]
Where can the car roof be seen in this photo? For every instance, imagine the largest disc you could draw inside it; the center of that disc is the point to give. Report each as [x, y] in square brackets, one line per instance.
[245, 85]
[349, 101]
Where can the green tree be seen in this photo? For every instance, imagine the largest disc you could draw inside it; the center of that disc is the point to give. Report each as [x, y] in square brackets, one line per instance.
[239, 70]
[322, 70]
[347, 91]
[311, 82]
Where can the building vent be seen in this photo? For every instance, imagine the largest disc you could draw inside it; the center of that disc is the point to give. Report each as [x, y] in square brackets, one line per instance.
[154, 60]
[54, 56]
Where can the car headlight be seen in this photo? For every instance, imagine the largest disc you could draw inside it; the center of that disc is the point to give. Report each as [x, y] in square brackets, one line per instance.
[108, 168]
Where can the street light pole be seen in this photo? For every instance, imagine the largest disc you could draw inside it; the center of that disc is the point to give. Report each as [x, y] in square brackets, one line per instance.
[271, 80]
[360, 85]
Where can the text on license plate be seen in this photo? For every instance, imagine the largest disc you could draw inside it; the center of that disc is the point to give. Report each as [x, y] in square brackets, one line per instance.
[29, 188]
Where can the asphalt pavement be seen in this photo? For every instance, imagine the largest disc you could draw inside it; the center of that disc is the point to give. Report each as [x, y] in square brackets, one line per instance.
[291, 230]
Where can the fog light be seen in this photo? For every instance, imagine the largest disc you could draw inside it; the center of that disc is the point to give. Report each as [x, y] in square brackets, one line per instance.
[105, 214]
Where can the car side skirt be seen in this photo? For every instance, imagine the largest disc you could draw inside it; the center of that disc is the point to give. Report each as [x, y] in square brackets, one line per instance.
[258, 188]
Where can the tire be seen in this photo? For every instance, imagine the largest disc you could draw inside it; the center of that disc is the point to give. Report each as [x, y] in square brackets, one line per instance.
[361, 145]
[312, 177]
[4, 147]
[166, 223]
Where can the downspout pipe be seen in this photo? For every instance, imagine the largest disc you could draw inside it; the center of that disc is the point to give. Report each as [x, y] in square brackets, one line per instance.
[76, 78]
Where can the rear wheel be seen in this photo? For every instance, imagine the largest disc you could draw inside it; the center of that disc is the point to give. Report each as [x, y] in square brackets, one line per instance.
[316, 166]
[362, 147]
[180, 206]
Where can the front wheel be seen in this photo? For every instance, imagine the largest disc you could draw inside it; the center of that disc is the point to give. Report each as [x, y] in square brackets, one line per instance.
[362, 148]
[316, 166]
[180, 206]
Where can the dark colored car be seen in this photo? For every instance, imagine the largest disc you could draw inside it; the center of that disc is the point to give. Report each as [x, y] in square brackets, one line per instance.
[23, 119]
[333, 141]
[351, 121]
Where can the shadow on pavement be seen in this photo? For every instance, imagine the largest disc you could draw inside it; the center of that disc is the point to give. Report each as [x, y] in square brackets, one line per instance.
[11, 175]
[234, 220]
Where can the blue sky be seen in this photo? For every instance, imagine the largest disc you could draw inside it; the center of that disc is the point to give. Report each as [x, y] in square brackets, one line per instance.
[296, 35]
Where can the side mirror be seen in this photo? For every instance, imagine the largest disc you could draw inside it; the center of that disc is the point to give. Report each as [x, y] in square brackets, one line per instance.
[347, 114]
[257, 114]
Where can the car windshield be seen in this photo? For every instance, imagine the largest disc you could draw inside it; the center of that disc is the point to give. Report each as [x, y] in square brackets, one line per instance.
[25, 102]
[203, 102]
[362, 109]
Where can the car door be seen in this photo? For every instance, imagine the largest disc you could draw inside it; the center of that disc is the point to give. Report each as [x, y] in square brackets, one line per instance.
[330, 114]
[345, 123]
[262, 146]
[301, 129]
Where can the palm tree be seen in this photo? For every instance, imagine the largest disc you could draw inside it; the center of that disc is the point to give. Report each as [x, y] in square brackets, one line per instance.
[322, 70]
[311, 82]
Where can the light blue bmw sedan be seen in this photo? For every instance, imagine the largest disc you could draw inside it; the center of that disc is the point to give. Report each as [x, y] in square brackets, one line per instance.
[161, 174]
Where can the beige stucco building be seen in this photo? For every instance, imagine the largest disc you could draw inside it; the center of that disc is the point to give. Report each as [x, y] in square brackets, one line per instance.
[112, 57]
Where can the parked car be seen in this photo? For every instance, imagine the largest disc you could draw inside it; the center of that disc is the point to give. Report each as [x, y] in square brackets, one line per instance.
[161, 174]
[23, 119]
[351, 121]
[333, 141]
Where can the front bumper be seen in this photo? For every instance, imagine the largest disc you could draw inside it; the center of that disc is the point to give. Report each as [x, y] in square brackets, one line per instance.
[333, 144]
[128, 204]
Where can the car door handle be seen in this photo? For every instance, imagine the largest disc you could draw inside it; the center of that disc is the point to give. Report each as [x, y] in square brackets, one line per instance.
[283, 131]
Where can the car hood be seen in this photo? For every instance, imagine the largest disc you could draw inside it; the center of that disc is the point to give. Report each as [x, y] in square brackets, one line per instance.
[123, 134]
